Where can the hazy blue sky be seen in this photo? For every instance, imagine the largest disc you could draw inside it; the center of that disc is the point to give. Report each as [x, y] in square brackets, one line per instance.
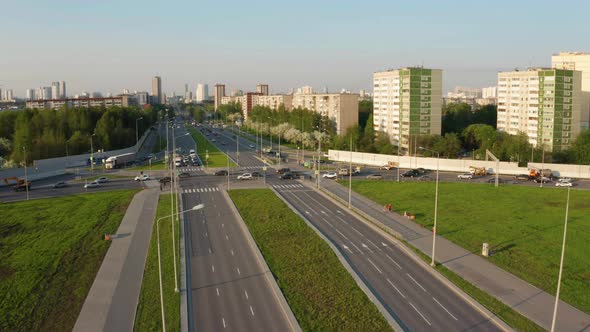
[107, 45]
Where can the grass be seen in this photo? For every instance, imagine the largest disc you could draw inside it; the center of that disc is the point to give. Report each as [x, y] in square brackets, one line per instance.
[157, 165]
[216, 157]
[524, 226]
[50, 252]
[320, 291]
[149, 317]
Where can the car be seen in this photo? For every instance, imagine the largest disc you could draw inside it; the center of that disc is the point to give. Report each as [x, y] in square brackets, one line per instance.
[178, 163]
[542, 179]
[221, 173]
[410, 174]
[60, 184]
[467, 176]
[165, 179]
[222, 142]
[213, 140]
[565, 180]
[563, 184]
[522, 177]
[387, 167]
[184, 175]
[374, 177]
[257, 174]
[150, 156]
[330, 175]
[102, 179]
[245, 176]
[287, 176]
[142, 177]
[92, 184]
[283, 170]
[493, 180]
[195, 163]
[251, 146]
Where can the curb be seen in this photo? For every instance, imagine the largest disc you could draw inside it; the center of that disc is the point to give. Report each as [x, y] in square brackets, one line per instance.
[394, 237]
[390, 319]
[268, 274]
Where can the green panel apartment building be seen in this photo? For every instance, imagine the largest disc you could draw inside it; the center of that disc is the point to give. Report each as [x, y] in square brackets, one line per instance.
[407, 104]
[543, 103]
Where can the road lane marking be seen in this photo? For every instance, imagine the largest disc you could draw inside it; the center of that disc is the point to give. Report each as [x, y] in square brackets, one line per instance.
[217, 289]
[384, 244]
[346, 248]
[213, 268]
[364, 245]
[394, 262]
[232, 252]
[416, 282]
[226, 237]
[237, 268]
[419, 313]
[376, 246]
[210, 251]
[442, 306]
[359, 249]
[251, 310]
[223, 321]
[375, 266]
[222, 225]
[392, 285]
[359, 233]
[205, 234]
[246, 292]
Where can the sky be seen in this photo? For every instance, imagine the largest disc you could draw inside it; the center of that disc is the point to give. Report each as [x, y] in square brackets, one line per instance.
[108, 45]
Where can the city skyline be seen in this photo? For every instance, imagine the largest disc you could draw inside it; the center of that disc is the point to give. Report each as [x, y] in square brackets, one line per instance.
[314, 44]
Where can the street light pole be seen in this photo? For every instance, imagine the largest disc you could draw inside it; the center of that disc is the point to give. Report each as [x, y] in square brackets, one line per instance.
[91, 155]
[567, 206]
[196, 207]
[137, 134]
[26, 176]
[350, 177]
[432, 263]
[227, 153]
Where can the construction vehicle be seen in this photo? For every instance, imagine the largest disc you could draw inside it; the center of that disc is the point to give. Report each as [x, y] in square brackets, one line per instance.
[390, 165]
[477, 170]
[535, 173]
[20, 184]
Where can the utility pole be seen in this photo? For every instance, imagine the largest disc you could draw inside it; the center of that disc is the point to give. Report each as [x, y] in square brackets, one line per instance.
[350, 177]
[567, 206]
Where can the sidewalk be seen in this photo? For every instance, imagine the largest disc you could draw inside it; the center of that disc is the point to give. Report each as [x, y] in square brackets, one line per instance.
[112, 300]
[521, 296]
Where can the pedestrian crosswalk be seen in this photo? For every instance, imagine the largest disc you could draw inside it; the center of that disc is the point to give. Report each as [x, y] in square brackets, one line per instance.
[199, 190]
[188, 169]
[251, 167]
[288, 186]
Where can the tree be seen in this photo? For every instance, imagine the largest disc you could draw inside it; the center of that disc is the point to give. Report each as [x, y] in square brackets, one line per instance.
[456, 117]
[5, 147]
[581, 147]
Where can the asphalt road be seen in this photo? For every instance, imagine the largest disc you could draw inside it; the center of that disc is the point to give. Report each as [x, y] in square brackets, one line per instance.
[228, 286]
[419, 301]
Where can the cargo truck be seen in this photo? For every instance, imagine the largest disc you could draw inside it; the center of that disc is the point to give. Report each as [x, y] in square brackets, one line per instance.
[119, 160]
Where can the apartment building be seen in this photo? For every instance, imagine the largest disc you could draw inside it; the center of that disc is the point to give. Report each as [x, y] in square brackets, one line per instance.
[218, 94]
[407, 103]
[157, 96]
[341, 108]
[121, 101]
[579, 61]
[543, 103]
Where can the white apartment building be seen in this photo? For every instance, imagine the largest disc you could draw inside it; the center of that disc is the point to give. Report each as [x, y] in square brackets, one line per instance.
[201, 94]
[490, 92]
[407, 103]
[121, 101]
[543, 103]
[579, 61]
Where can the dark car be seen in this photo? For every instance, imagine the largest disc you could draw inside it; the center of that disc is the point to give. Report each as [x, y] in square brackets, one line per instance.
[493, 180]
[221, 173]
[195, 163]
[165, 179]
[283, 170]
[410, 174]
[287, 176]
[184, 175]
[522, 177]
[60, 184]
[257, 174]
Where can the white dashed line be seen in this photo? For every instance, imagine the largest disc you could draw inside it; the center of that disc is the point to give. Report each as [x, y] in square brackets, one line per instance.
[375, 266]
[251, 311]
[246, 293]
[238, 269]
[232, 252]
[394, 262]
[227, 237]
[419, 313]
[359, 233]
[357, 248]
[416, 282]
[442, 306]
[392, 285]
[223, 321]
[217, 289]
[213, 268]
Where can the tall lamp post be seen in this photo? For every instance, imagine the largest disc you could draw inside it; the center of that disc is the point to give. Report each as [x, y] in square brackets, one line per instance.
[26, 176]
[92, 154]
[432, 263]
[350, 177]
[196, 207]
[174, 193]
[567, 207]
[137, 133]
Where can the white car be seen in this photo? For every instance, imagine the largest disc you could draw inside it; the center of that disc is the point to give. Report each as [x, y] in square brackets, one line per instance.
[565, 180]
[563, 184]
[467, 176]
[143, 177]
[251, 146]
[102, 179]
[93, 184]
[245, 176]
[330, 175]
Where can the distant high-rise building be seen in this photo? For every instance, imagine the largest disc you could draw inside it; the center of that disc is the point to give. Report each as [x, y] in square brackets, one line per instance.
[543, 103]
[202, 92]
[219, 93]
[125, 91]
[157, 90]
[55, 94]
[30, 94]
[262, 89]
[142, 98]
[407, 104]
[581, 62]
[305, 90]
[491, 92]
[7, 95]
[62, 90]
[46, 92]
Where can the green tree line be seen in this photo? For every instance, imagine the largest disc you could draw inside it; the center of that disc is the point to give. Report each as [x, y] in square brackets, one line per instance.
[56, 133]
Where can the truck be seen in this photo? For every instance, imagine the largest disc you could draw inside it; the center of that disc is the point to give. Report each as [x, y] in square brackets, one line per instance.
[20, 184]
[119, 161]
[389, 166]
[477, 170]
[535, 173]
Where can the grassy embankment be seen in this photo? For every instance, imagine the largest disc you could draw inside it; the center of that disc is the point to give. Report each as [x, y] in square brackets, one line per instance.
[50, 252]
[524, 226]
[216, 157]
[321, 293]
[148, 317]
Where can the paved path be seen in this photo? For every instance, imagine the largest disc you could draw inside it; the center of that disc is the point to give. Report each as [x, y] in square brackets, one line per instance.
[112, 300]
[523, 297]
